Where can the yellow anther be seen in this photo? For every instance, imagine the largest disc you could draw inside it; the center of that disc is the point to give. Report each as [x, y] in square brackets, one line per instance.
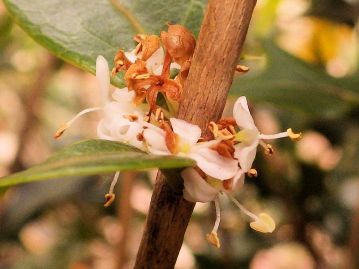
[213, 127]
[269, 149]
[225, 134]
[60, 131]
[294, 136]
[242, 68]
[213, 239]
[110, 197]
[232, 129]
[252, 172]
[142, 76]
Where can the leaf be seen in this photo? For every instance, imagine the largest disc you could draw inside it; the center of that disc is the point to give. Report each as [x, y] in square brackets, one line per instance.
[290, 83]
[78, 31]
[91, 157]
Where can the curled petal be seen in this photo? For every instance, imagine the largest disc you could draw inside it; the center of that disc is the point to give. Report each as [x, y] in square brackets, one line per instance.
[242, 115]
[179, 43]
[246, 154]
[196, 189]
[188, 132]
[214, 165]
[150, 44]
[103, 77]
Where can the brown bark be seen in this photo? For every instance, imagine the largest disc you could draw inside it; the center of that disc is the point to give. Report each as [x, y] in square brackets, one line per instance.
[220, 41]
[125, 215]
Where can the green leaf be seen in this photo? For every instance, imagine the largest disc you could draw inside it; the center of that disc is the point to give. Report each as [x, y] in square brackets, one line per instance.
[290, 83]
[78, 31]
[94, 157]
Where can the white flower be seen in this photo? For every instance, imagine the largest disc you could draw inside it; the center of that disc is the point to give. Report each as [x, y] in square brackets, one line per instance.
[122, 121]
[208, 160]
[249, 136]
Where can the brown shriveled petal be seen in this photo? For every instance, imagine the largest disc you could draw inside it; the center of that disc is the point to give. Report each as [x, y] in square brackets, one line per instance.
[120, 62]
[179, 42]
[151, 97]
[226, 122]
[171, 138]
[225, 148]
[136, 69]
[172, 89]
[148, 45]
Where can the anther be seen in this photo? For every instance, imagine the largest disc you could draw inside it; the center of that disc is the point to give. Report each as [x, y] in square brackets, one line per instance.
[252, 173]
[294, 136]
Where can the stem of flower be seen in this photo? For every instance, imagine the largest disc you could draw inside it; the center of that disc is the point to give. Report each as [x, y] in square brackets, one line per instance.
[204, 95]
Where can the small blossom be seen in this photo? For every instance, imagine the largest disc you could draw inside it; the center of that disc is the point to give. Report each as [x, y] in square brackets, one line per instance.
[185, 144]
[250, 137]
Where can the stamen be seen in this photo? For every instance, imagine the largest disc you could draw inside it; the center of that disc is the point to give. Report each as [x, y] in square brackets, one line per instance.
[262, 223]
[158, 113]
[213, 237]
[225, 134]
[273, 136]
[293, 135]
[213, 127]
[267, 147]
[110, 196]
[65, 126]
[142, 76]
[232, 129]
[252, 172]
[242, 208]
[242, 68]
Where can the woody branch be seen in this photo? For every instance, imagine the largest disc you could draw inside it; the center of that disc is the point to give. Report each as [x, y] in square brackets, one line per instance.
[212, 69]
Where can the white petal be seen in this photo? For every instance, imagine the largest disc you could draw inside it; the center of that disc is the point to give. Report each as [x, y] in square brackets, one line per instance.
[242, 115]
[175, 66]
[238, 180]
[103, 77]
[246, 154]
[123, 95]
[196, 189]
[155, 140]
[155, 61]
[214, 164]
[188, 132]
[131, 56]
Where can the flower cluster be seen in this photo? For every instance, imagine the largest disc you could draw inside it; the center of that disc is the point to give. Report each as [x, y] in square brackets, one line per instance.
[143, 115]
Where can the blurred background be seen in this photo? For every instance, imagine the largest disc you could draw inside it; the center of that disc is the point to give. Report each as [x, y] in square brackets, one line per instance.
[311, 188]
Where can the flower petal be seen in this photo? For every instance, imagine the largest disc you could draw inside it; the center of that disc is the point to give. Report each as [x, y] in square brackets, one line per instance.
[196, 189]
[188, 132]
[155, 63]
[131, 56]
[123, 95]
[103, 77]
[155, 140]
[246, 154]
[213, 164]
[242, 115]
